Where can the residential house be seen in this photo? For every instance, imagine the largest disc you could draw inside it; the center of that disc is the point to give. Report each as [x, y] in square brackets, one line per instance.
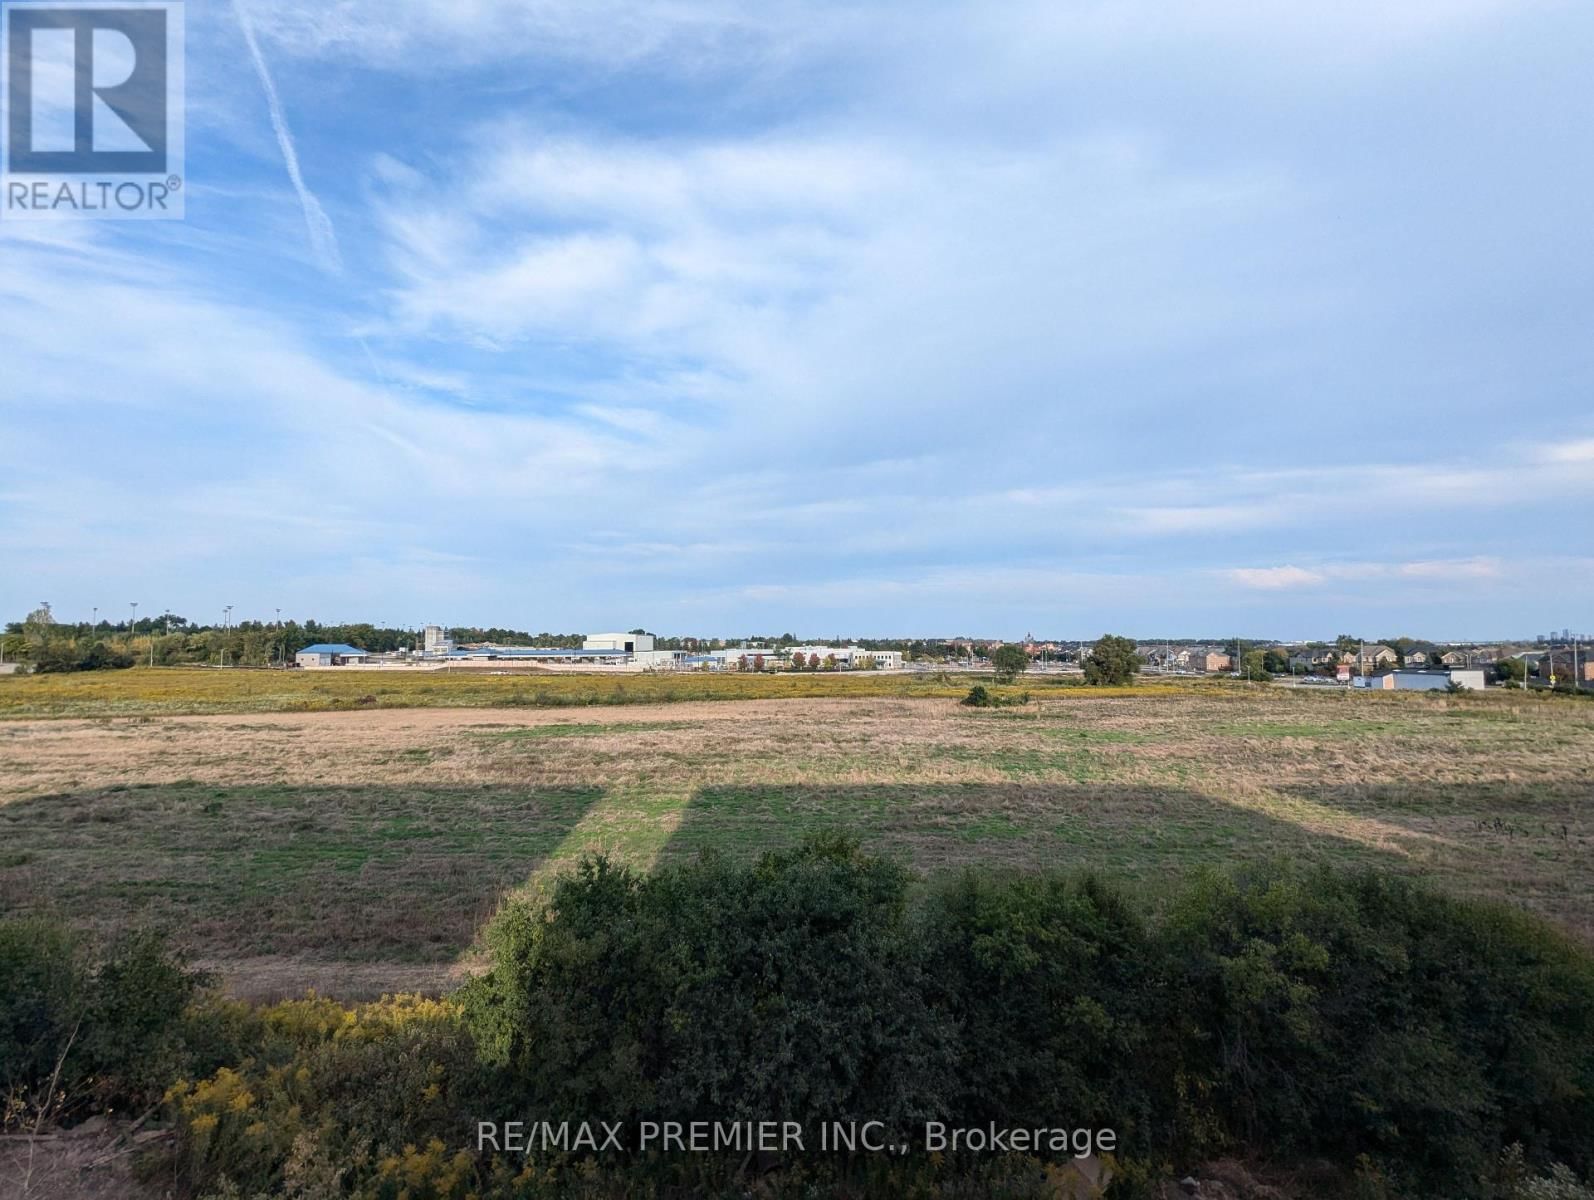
[1165, 657]
[1307, 659]
[1375, 658]
[1560, 664]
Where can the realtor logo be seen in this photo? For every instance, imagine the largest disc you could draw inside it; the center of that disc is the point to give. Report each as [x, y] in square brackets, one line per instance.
[93, 109]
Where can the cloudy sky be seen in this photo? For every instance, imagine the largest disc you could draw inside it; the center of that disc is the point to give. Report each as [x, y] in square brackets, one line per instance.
[1056, 316]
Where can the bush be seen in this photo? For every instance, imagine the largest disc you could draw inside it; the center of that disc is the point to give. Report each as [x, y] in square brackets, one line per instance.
[44, 986]
[980, 697]
[327, 1092]
[62, 656]
[1269, 1011]
[711, 991]
[78, 1035]
[1352, 1018]
[1052, 989]
[1348, 1014]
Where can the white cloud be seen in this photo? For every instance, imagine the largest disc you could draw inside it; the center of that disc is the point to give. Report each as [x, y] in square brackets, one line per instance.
[873, 305]
[1452, 570]
[1444, 571]
[1275, 577]
[1576, 451]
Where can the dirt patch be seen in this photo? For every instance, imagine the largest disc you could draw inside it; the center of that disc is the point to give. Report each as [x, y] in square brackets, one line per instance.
[93, 1161]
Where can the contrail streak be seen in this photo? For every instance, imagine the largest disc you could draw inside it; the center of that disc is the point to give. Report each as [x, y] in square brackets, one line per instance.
[323, 240]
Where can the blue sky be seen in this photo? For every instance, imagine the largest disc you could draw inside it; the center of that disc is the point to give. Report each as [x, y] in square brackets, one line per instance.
[834, 318]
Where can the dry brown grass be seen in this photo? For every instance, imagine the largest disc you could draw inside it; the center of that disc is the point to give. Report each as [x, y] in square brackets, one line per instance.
[375, 843]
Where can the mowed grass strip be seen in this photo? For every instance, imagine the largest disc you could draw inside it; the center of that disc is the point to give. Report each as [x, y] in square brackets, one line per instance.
[373, 837]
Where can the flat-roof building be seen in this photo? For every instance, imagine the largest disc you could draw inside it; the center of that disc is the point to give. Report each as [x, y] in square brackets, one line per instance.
[1425, 681]
[627, 643]
[330, 654]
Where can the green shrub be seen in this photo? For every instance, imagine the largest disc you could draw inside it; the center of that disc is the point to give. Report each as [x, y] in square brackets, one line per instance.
[1353, 1018]
[1347, 1014]
[980, 697]
[1053, 992]
[44, 986]
[62, 656]
[790, 989]
[78, 1034]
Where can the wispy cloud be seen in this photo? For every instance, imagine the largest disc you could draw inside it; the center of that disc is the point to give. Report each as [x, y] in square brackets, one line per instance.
[323, 238]
[994, 318]
[1271, 578]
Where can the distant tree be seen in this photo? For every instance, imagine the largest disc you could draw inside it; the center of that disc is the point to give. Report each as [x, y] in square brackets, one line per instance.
[830, 662]
[1253, 666]
[1276, 662]
[1347, 643]
[1511, 669]
[742, 664]
[63, 655]
[799, 660]
[1009, 662]
[758, 662]
[1112, 660]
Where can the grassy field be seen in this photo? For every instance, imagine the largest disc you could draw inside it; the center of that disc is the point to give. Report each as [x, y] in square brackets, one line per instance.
[362, 850]
[188, 691]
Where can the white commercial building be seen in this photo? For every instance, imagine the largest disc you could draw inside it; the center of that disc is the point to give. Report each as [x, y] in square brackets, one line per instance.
[853, 658]
[629, 643]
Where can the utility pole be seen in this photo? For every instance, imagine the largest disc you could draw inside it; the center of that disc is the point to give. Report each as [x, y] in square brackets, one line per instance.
[133, 604]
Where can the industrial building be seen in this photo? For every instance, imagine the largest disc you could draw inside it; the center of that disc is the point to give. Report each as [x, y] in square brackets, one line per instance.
[628, 643]
[330, 654]
[1424, 681]
[631, 651]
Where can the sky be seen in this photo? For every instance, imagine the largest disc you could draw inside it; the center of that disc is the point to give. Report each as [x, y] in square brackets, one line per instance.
[892, 318]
